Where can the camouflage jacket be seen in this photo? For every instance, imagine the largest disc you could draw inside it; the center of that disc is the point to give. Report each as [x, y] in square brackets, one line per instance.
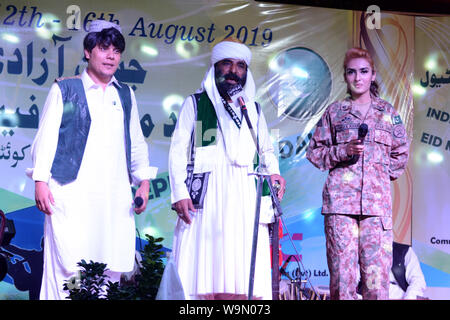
[362, 187]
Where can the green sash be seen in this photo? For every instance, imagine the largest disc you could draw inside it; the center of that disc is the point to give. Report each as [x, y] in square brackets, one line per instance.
[206, 115]
[206, 121]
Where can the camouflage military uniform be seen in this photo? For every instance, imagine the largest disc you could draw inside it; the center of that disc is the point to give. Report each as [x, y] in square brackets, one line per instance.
[357, 196]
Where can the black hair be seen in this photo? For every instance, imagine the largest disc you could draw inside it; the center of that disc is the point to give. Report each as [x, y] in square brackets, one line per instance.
[106, 37]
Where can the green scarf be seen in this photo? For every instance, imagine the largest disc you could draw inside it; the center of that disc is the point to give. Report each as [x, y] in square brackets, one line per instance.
[206, 115]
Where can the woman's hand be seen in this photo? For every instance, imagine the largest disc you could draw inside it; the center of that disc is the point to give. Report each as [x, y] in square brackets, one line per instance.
[355, 147]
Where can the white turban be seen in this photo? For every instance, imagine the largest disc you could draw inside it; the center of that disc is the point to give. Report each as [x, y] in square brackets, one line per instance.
[231, 50]
[228, 50]
[99, 25]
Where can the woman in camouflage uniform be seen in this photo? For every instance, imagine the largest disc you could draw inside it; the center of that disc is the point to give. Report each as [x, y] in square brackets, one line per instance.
[357, 194]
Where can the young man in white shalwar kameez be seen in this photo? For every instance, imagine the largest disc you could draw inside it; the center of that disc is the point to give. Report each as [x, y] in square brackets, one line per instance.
[88, 151]
[212, 245]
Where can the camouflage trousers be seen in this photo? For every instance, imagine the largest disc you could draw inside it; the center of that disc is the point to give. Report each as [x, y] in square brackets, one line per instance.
[358, 244]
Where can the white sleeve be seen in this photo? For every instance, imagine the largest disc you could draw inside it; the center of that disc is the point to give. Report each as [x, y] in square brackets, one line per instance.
[179, 151]
[266, 146]
[44, 146]
[140, 168]
[414, 276]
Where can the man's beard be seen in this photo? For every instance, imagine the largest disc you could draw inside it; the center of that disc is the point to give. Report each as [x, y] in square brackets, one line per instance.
[223, 87]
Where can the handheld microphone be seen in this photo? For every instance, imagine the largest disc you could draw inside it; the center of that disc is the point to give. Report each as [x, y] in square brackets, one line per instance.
[362, 132]
[237, 95]
[138, 201]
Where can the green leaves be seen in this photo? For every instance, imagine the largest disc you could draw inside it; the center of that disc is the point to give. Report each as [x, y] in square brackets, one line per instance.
[90, 283]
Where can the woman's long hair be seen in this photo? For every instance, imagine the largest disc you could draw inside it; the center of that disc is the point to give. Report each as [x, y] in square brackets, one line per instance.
[354, 53]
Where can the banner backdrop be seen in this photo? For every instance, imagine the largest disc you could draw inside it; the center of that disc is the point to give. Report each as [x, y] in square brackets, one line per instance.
[297, 65]
[431, 157]
[391, 46]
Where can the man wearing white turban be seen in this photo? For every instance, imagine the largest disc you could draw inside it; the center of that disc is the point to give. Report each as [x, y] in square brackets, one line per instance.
[213, 239]
[88, 150]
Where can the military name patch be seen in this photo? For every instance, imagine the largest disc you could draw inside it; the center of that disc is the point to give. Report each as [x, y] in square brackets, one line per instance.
[346, 126]
[384, 127]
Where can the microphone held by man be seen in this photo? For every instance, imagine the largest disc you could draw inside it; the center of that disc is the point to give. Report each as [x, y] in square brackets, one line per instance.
[237, 95]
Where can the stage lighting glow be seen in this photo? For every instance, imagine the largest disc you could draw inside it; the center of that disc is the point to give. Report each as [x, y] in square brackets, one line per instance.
[308, 215]
[149, 50]
[430, 64]
[51, 26]
[172, 100]
[12, 118]
[22, 186]
[237, 8]
[273, 65]
[435, 157]
[151, 231]
[9, 111]
[274, 135]
[10, 38]
[348, 176]
[186, 49]
[299, 73]
[418, 90]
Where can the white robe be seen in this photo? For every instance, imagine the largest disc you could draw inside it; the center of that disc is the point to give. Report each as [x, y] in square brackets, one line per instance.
[414, 278]
[93, 216]
[213, 253]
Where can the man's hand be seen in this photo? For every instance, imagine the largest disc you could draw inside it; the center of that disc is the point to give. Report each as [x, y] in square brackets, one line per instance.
[43, 197]
[142, 192]
[279, 183]
[182, 207]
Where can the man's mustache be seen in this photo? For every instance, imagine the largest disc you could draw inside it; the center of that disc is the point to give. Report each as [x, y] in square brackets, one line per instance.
[232, 76]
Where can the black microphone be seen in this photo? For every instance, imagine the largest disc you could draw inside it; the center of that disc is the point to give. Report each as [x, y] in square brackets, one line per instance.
[138, 201]
[237, 95]
[362, 132]
[242, 103]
